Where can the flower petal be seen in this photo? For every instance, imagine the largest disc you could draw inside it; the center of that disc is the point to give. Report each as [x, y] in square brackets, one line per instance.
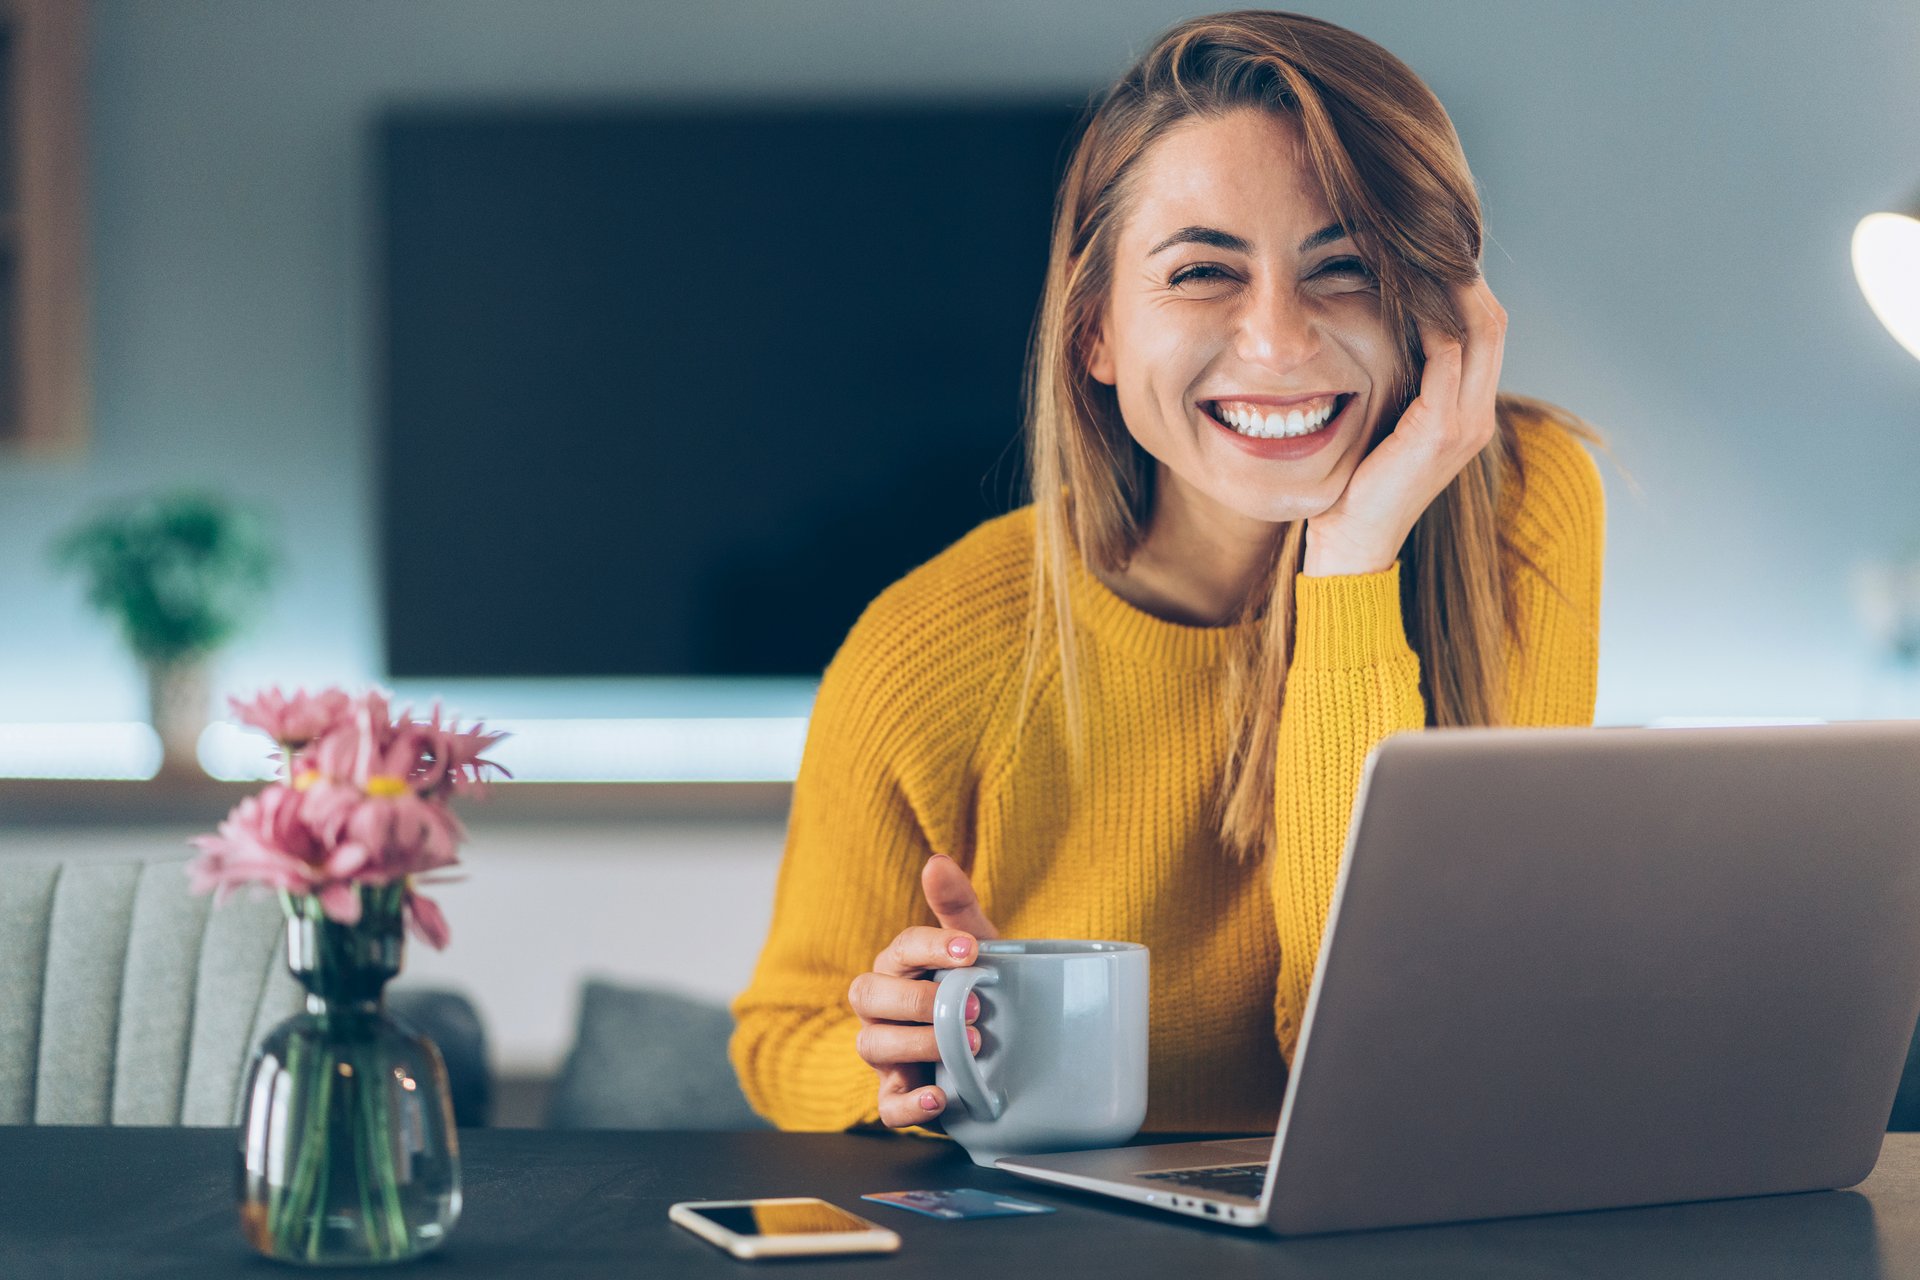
[341, 902]
[426, 920]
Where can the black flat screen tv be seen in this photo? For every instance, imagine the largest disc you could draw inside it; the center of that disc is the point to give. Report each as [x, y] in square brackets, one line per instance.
[677, 390]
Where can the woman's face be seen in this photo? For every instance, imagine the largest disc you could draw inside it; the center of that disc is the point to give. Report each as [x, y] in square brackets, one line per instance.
[1225, 300]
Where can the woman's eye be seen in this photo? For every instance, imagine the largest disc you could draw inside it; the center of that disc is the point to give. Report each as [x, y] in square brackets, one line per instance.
[1348, 267]
[1338, 267]
[1203, 271]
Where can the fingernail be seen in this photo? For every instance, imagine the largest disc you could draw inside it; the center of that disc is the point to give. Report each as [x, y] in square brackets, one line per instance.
[929, 1101]
[973, 1038]
[973, 1006]
[958, 948]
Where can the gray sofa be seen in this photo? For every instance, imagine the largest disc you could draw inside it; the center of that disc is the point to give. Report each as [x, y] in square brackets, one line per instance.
[124, 999]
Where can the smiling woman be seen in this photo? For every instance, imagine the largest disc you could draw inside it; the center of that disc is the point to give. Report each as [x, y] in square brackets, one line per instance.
[1280, 510]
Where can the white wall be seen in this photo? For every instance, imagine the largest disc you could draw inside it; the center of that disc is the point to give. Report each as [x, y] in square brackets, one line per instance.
[684, 907]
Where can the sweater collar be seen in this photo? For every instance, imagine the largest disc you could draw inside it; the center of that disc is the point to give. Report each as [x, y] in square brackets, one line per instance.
[1124, 626]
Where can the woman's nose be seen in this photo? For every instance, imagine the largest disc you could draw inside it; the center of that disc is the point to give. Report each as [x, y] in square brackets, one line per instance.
[1278, 329]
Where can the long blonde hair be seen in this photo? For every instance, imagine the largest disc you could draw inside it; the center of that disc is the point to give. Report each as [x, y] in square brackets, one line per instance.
[1390, 164]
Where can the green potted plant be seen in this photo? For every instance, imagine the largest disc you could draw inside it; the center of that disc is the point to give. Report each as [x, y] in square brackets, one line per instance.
[181, 574]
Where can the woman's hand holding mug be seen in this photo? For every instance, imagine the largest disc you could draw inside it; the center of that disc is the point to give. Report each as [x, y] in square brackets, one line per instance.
[895, 1002]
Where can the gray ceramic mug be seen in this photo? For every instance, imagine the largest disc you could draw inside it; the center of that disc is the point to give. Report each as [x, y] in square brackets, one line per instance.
[1063, 1046]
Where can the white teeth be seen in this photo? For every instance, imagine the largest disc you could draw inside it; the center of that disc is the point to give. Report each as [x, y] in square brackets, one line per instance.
[1249, 422]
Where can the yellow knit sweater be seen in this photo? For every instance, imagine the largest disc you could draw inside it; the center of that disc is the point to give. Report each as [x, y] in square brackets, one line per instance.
[911, 750]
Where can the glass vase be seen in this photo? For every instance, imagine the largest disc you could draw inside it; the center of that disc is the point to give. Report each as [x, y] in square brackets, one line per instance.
[348, 1153]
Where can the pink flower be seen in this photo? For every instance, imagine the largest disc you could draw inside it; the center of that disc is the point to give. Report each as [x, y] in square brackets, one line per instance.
[360, 786]
[263, 841]
[366, 802]
[458, 753]
[407, 832]
[292, 722]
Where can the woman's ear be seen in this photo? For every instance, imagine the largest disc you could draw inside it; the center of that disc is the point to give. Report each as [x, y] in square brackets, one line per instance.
[1100, 358]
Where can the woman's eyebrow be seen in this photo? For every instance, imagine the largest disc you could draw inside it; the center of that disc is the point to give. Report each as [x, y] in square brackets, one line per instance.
[1217, 239]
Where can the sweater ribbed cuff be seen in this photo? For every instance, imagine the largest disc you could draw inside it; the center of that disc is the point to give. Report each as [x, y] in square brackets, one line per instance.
[1348, 620]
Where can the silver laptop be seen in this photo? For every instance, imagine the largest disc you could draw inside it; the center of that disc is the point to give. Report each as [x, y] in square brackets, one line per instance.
[1573, 969]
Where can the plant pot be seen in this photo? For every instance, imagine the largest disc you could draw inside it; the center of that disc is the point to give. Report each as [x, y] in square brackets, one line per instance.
[178, 694]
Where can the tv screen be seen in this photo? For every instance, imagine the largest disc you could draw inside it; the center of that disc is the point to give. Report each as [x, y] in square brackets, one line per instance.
[679, 390]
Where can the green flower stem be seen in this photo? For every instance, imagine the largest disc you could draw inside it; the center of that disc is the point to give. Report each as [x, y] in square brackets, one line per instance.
[310, 1202]
[365, 1166]
[380, 1138]
[309, 1167]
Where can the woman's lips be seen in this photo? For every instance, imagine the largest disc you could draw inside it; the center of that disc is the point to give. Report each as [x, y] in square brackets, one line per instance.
[1286, 448]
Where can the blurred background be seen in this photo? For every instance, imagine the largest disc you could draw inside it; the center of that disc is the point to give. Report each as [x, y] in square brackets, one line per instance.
[589, 364]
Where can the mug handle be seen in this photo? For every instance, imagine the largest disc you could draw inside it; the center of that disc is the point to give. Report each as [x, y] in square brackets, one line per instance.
[950, 1034]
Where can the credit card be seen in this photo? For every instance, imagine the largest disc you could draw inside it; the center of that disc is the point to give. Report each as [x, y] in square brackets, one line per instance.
[960, 1202]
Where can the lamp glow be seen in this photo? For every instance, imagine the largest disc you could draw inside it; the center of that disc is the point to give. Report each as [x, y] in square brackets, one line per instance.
[1886, 262]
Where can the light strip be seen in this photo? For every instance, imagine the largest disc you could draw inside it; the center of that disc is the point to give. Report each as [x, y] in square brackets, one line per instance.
[716, 749]
[104, 750]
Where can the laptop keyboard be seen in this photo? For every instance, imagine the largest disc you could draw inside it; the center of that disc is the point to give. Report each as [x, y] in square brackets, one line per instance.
[1227, 1179]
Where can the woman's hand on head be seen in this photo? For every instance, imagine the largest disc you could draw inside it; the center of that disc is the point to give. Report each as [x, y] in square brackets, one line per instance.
[1446, 426]
[895, 1001]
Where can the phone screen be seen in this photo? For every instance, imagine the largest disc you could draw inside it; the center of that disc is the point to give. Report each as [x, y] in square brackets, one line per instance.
[793, 1218]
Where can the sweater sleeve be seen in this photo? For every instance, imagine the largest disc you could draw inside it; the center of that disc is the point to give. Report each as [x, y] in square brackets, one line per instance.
[880, 789]
[1354, 680]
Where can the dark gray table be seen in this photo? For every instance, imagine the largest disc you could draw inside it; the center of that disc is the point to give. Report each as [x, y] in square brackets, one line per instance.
[102, 1203]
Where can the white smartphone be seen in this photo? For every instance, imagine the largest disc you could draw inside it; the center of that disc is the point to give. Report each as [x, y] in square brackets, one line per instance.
[783, 1227]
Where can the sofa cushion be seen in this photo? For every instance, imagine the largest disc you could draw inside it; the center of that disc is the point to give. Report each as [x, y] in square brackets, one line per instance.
[647, 1058]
